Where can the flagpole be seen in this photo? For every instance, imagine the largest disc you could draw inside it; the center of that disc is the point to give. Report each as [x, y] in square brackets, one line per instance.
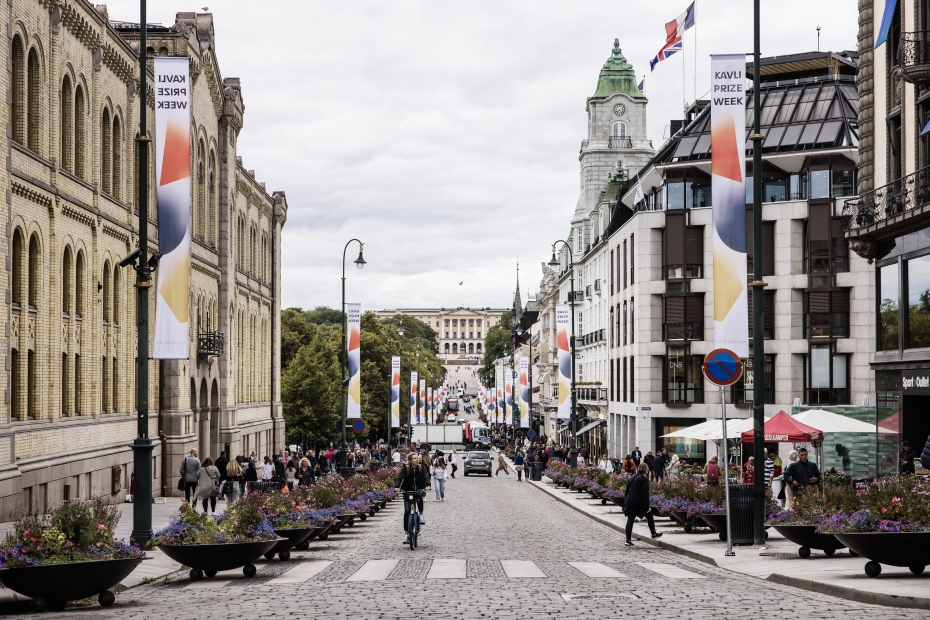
[695, 52]
[684, 96]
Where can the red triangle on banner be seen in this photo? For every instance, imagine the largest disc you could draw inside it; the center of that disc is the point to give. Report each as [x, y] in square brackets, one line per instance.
[176, 160]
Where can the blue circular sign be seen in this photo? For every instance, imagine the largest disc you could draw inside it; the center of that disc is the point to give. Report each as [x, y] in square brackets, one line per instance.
[723, 367]
[358, 425]
[531, 433]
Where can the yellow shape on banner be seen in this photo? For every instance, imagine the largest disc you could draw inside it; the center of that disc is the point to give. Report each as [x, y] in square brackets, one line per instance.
[728, 286]
[173, 288]
[355, 390]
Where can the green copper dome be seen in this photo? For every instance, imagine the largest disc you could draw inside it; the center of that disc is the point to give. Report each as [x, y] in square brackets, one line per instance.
[617, 76]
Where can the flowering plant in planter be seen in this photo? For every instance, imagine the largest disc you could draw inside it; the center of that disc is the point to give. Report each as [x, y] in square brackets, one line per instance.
[243, 522]
[73, 532]
[614, 494]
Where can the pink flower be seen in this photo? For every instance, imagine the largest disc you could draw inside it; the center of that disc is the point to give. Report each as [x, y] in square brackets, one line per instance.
[27, 532]
[895, 499]
[884, 510]
[101, 526]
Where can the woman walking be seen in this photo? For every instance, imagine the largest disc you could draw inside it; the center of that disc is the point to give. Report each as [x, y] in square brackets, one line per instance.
[501, 465]
[636, 503]
[629, 466]
[439, 475]
[208, 486]
[304, 475]
[267, 470]
[233, 482]
[674, 468]
[251, 475]
[291, 473]
[605, 465]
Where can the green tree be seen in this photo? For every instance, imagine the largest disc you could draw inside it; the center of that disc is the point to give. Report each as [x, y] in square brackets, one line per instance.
[496, 345]
[296, 331]
[310, 391]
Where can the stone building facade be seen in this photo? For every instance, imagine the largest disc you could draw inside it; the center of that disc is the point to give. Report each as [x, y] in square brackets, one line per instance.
[72, 120]
[460, 332]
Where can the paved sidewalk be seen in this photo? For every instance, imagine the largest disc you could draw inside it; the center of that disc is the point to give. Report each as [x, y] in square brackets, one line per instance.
[778, 561]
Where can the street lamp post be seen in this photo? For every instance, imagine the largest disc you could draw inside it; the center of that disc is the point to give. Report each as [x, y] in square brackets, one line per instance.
[359, 262]
[573, 452]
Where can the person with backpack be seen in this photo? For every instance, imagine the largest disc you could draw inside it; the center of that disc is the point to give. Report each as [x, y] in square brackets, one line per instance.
[439, 476]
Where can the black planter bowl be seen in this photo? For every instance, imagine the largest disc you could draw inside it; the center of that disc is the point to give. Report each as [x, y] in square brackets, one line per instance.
[679, 516]
[910, 549]
[289, 538]
[807, 538]
[211, 559]
[618, 501]
[52, 585]
[717, 522]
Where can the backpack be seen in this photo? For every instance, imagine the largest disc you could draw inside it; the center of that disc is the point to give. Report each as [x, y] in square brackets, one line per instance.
[713, 472]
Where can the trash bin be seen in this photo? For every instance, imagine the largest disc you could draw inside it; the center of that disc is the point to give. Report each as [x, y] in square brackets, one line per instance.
[741, 502]
[536, 471]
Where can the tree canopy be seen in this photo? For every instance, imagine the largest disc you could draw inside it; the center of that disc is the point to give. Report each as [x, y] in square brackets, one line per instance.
[496, 345]
[311, 353]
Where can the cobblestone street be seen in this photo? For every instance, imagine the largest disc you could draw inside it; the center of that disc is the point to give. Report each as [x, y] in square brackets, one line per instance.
[507, 551]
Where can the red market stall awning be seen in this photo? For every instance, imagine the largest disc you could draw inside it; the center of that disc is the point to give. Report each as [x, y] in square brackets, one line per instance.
[782, 427]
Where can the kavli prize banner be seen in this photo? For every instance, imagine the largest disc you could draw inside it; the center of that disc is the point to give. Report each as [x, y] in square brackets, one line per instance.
[728, 168]
[354, 358]
[173, 195]
[422, 401]
[413, 397]
[509, 413]
[524, 391]
[395, 392]
[562, 323]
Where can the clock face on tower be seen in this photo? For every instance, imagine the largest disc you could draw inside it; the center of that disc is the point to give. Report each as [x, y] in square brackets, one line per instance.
[619, 109]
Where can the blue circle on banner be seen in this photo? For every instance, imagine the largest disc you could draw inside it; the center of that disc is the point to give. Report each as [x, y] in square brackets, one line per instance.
[531, 433]
[723, 367]
[358, 426]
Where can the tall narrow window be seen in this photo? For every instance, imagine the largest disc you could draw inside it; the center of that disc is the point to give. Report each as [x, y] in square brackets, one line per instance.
[106, 292]
[201, 191]
[115, 295]
[117, 159]
[106, 154]
[64, 384]
[16, 387]
[34, 268]
[624, 379]
[19, 91]
[66, 155]
[105, 376]
[114, 406]
[211, 220]
[80, 119]
[31, 408]
[78, 388]
[79, 285]
[66, 281]
[17, 266]
[34, 104]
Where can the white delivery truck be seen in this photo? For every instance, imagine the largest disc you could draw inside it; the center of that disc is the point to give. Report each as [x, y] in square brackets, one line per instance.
[438, 434]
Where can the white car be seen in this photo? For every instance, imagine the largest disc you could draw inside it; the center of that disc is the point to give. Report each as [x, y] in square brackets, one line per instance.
[451, 418]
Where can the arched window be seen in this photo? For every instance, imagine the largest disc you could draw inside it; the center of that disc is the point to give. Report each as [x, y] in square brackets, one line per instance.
[106, 153]
[212, 206]
[116, 294]
[106, 292]
[35, 95]
[478, 348]
[67, 267]
[201, 204]
[619, 130]
[264, 261]
[19, 90]
[117, 159]
[447, 347]
[252, 252]
[33, 270]
[80, 148]
[79, 285]
[17, 266]
[471, 347]
[67, 125]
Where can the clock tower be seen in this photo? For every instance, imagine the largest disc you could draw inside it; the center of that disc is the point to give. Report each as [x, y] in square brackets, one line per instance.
[616, 131]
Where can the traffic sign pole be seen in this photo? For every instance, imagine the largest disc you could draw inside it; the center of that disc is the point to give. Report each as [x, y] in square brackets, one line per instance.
[726, 469]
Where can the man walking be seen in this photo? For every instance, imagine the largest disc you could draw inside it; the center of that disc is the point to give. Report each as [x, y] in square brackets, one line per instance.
[637, 456]
[453, 461]
[221, 464]
[769, 469]
[190, 469]
[801, 473]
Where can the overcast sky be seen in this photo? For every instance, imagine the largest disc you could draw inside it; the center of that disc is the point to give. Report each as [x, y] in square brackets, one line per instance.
[446, 135]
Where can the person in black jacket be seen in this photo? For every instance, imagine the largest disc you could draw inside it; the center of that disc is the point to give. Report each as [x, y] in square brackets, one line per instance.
[802, 472]
[413, 476]
[636, 503]
[925, 455]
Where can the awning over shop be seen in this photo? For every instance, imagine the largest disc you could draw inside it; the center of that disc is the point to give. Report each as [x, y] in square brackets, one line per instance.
[783, 427]
[585, 429]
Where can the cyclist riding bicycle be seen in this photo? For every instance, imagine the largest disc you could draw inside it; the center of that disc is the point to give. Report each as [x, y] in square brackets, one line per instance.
[413, 477]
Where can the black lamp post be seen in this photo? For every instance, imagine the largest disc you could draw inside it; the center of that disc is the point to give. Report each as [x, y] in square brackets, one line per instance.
[573, 452]
[360, 263]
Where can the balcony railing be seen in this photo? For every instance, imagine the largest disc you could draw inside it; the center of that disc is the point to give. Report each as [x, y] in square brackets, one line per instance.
[210, 343]
[587, 291]
[892, 200]
[914, 56]
[594, 337]
[616, 142]
[595, 394]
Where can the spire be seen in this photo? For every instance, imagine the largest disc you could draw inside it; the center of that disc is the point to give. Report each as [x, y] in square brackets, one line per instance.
[517, 302]
[617, 76]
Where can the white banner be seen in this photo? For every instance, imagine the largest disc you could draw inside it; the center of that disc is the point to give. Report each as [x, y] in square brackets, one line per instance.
[562, 335]
[510, 412]
[524, 392]
[728, 188]
[423, 412]
[429, 404]
[354, 358]
[413, 397]
[395, 392]
[173, 195]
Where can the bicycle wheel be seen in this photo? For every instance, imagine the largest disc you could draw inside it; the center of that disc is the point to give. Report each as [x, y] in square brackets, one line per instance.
[413, 528]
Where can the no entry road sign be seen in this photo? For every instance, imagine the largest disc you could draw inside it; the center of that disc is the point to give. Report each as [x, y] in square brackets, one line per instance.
[723, 367]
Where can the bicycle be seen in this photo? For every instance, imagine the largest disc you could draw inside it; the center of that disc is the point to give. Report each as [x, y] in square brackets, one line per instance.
[413, 520]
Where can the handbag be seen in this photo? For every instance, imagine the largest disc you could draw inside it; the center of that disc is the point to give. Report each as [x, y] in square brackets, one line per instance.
[181, 483]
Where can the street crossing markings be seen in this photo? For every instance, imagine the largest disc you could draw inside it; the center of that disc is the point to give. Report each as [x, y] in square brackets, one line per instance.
[301, 573]
[374, 570]
[447, 569]
[670, 571]
[207, 584]
[516, 569]
[595, 569]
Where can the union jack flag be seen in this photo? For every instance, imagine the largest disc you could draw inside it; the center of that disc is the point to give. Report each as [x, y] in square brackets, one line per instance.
[667, 50]
[674, 31]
